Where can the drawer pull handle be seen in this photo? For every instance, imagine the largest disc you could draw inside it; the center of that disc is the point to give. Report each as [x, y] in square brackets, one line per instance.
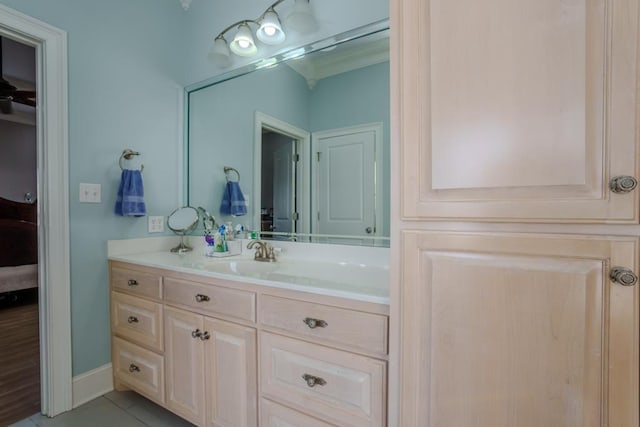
[132, 319]
[132, 282]
[205, 336]
[623, 184]
[313, 381]
[623, 276]
[202, 298]
[315, 323]
[133, 368]
[196, 333]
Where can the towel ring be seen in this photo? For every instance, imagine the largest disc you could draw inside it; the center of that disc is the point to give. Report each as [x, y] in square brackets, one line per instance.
[128, 154]
[228, 169]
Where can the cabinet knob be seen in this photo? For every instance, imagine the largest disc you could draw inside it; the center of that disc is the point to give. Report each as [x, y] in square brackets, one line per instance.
[134, 368]
[202, 298]
[132, 319]
[315, 323]
[132, 282]
[196, 333]
[623, 276]
[205, 336]
[623, 184]
[313, 381]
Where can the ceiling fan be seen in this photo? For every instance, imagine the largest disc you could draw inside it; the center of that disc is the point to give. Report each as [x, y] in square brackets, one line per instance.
[10, 94]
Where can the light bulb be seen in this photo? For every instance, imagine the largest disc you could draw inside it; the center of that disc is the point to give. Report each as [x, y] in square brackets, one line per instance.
[243, 44]
[270, 30]
[301, 18]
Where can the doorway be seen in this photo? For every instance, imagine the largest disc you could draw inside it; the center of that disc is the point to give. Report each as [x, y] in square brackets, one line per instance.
[52, 197]
[282, 177]
[19, 313]
[279, 195]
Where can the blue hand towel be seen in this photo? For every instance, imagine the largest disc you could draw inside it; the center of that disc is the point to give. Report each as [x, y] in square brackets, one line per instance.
[130, 200]
[233, 201]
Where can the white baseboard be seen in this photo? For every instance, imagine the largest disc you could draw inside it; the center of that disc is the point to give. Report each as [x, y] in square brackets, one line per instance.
[92, 384]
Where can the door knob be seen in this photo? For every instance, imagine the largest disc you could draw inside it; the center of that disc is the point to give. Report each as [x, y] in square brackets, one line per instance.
[623, 184]
[369, 230]
[623, 276]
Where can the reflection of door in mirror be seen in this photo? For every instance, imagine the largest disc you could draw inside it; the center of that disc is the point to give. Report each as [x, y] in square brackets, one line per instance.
[284, 196]
[279, 172]
[347, 184]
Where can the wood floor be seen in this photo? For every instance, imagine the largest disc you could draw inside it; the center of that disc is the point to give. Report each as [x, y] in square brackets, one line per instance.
[19, 363]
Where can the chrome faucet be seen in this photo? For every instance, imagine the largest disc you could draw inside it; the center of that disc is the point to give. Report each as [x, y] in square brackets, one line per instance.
[264, 252]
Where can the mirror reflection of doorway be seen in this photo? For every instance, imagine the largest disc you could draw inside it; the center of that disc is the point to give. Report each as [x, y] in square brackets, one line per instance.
[278, 207]
[282, 181]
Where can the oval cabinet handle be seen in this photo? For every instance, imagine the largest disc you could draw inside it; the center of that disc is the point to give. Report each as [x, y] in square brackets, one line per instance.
[132, 319]
[205, 336]
[315, 323]
[623, 276]
[132, 282]
[623, 184]
[196, 333]
[134, 368]
[313, 381]
[202, 298]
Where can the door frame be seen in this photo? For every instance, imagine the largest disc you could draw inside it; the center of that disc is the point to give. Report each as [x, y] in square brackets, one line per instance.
[53, 204]
[376, 128]
[303, 176]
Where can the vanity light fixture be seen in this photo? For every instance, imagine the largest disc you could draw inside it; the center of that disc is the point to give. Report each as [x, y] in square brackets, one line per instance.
[269, 31]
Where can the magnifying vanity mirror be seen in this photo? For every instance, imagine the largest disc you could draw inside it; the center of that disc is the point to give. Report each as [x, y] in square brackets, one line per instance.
[183, 221]
[308, 131]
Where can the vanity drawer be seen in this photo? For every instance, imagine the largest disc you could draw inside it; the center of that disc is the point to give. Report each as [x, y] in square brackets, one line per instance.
[136, 282]
[352, 329]
[274, 415]
[140, 369]
[349, 389]
[211, 299]
[137, 320]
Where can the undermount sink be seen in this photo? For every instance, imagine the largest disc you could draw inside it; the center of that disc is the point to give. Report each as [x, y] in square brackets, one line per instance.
[241, 267]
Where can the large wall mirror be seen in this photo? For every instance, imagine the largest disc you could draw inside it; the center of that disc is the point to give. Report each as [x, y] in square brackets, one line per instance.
[307, 133]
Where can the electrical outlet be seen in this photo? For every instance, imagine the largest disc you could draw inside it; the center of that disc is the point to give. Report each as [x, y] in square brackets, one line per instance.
[90, 193]
[156, 224]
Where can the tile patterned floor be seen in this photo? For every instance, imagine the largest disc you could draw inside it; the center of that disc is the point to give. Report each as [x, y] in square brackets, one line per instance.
[114, 409]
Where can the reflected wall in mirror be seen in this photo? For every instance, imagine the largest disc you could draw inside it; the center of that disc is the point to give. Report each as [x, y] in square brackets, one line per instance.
[309, 136]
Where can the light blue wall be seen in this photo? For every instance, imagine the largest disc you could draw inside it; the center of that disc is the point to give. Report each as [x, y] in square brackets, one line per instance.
[126, 73]
[206, 18]
[354, 98]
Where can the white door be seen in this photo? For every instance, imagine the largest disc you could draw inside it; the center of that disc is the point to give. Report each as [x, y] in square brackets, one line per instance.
[284, 188]
[345, 184]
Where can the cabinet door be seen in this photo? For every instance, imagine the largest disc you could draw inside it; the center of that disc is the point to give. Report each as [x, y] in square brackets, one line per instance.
[516, 110]
[517, 330]
[184, 361]
[231, 374]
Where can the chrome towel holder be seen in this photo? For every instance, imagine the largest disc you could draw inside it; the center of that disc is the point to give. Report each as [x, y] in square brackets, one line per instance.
[128, 154]
[228, 169]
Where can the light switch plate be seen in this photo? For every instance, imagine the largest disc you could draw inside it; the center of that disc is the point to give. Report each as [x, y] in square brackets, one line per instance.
[90, 193]
[156, 224]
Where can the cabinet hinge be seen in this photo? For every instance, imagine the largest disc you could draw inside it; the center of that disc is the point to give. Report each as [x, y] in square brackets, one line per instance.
[295, 216]
[296, 157]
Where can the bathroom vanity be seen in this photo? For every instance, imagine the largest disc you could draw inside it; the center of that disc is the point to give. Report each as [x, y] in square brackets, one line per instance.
[236, 342]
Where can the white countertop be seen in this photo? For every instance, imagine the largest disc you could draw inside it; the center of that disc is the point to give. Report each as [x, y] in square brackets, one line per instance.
[347, 278]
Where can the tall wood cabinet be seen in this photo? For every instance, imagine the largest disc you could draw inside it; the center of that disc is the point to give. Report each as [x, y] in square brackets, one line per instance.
[508, 113]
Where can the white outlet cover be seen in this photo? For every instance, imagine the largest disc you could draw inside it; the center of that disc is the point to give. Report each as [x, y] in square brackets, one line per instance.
[156, 224]
[90, 193]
